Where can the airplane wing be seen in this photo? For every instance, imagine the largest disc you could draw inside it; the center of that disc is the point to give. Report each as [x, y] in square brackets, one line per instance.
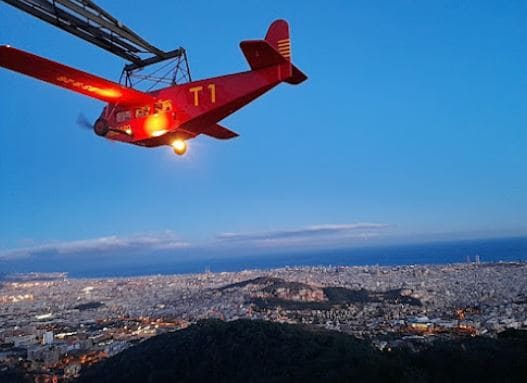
[219, 132]
[70, 78]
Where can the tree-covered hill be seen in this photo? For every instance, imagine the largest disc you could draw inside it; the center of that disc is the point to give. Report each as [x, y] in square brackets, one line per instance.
[257, 351]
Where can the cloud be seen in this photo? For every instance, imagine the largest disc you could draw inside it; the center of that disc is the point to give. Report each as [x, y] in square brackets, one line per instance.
[144, 244]
[161, 241]
[308, 235]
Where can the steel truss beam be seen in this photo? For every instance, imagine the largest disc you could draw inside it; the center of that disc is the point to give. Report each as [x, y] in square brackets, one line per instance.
[85, 19]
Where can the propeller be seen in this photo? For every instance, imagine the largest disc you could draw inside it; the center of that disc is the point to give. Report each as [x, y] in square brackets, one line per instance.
[83, 122]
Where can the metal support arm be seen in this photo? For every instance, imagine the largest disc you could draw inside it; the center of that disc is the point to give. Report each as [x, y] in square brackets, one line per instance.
[85, 19]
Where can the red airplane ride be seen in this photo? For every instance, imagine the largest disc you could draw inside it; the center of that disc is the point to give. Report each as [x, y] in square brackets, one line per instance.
[172, 115]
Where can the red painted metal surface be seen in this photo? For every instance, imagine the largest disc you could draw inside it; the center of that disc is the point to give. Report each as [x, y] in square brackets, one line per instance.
[69, 78]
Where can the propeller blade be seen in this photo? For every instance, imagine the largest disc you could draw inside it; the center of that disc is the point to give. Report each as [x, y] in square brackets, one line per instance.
[83, 122]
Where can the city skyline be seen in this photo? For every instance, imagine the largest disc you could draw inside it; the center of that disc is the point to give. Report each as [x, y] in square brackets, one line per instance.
[60, 326]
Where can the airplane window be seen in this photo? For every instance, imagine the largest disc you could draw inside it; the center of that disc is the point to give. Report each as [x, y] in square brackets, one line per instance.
[123, 116]
[142, 112]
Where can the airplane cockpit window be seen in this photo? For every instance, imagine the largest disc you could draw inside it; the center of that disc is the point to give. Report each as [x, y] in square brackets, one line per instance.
[123, 116]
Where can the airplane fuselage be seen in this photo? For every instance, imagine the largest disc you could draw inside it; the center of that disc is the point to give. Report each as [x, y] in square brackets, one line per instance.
[185, 111]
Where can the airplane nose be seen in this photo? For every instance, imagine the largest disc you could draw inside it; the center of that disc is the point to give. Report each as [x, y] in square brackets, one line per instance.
[101, 127]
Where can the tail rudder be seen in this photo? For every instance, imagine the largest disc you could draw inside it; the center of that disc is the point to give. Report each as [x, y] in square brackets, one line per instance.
[278, 36]
[274, 49]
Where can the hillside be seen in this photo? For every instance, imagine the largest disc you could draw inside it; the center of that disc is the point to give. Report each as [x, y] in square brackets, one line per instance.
[272, 292]
[12, 376]
[256, 351]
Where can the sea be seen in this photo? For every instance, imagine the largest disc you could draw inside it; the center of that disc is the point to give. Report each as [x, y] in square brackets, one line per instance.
[482, 250]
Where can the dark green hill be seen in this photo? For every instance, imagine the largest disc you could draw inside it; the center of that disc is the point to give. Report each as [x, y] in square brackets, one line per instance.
[256, 351]
[12, 376]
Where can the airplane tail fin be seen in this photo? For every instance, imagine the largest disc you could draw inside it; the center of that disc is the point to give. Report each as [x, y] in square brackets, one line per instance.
[274, 50]
[278, 36]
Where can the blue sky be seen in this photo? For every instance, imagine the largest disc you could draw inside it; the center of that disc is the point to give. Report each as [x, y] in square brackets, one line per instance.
[412, 125]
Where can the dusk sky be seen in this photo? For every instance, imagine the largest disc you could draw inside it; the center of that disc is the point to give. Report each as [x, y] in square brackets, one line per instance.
[412, 125]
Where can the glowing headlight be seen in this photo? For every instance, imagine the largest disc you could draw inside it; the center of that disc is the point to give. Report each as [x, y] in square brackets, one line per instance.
[179, 146]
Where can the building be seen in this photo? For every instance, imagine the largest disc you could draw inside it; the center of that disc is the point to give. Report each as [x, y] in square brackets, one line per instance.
[47, 338]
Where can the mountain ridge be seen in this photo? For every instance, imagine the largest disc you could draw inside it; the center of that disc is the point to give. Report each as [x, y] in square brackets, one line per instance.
[259, 351]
